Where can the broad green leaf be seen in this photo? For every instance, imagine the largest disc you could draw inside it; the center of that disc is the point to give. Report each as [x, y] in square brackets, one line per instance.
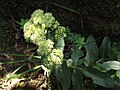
[76, 54]
[92, 51]
[105, 47]
[64, 75]
[106, 66]
[99, 67]
[77, 80]
[115, 65]
[99, 77]
[118, 73]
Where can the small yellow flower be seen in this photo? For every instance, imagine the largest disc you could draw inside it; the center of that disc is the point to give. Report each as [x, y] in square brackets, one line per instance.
[45, 47]
[55, 58]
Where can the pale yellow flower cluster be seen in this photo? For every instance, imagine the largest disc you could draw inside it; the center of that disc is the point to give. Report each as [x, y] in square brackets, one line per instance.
[37, 30]
[60, 32]
[45, 47]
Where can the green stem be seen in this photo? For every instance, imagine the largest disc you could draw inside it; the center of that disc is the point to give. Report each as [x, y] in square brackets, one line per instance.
[66, 8]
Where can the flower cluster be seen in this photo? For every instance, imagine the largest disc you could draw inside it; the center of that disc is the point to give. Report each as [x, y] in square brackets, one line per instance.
[40, 30]
[45, 47]
[38, 17]
[60, 32]
[54, 59]
[34, 32]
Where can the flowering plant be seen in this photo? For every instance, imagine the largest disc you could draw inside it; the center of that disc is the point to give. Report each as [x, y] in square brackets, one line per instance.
[43, 30]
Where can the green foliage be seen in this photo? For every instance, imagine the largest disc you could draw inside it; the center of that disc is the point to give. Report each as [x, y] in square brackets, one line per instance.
[118, 73]
[77, 80]
[105, 47]
[115, 65]
[76, 39]
[99, 67]
[60, 44]
[92, 51]
[85, 59]
[22, 22]
[64, 75]
[44, 31]
[76, 54]
[99, 78]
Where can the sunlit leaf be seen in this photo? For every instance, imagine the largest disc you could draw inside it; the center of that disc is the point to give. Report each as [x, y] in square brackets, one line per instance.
[115, 65]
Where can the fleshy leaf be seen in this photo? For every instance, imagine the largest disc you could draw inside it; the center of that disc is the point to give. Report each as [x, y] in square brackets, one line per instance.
[99, 66]
[92, 51]
[64, 75]
[105, 47]
[115, 65]
[76, 54]
[60, 44]
[99, 77]
[77, 80]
